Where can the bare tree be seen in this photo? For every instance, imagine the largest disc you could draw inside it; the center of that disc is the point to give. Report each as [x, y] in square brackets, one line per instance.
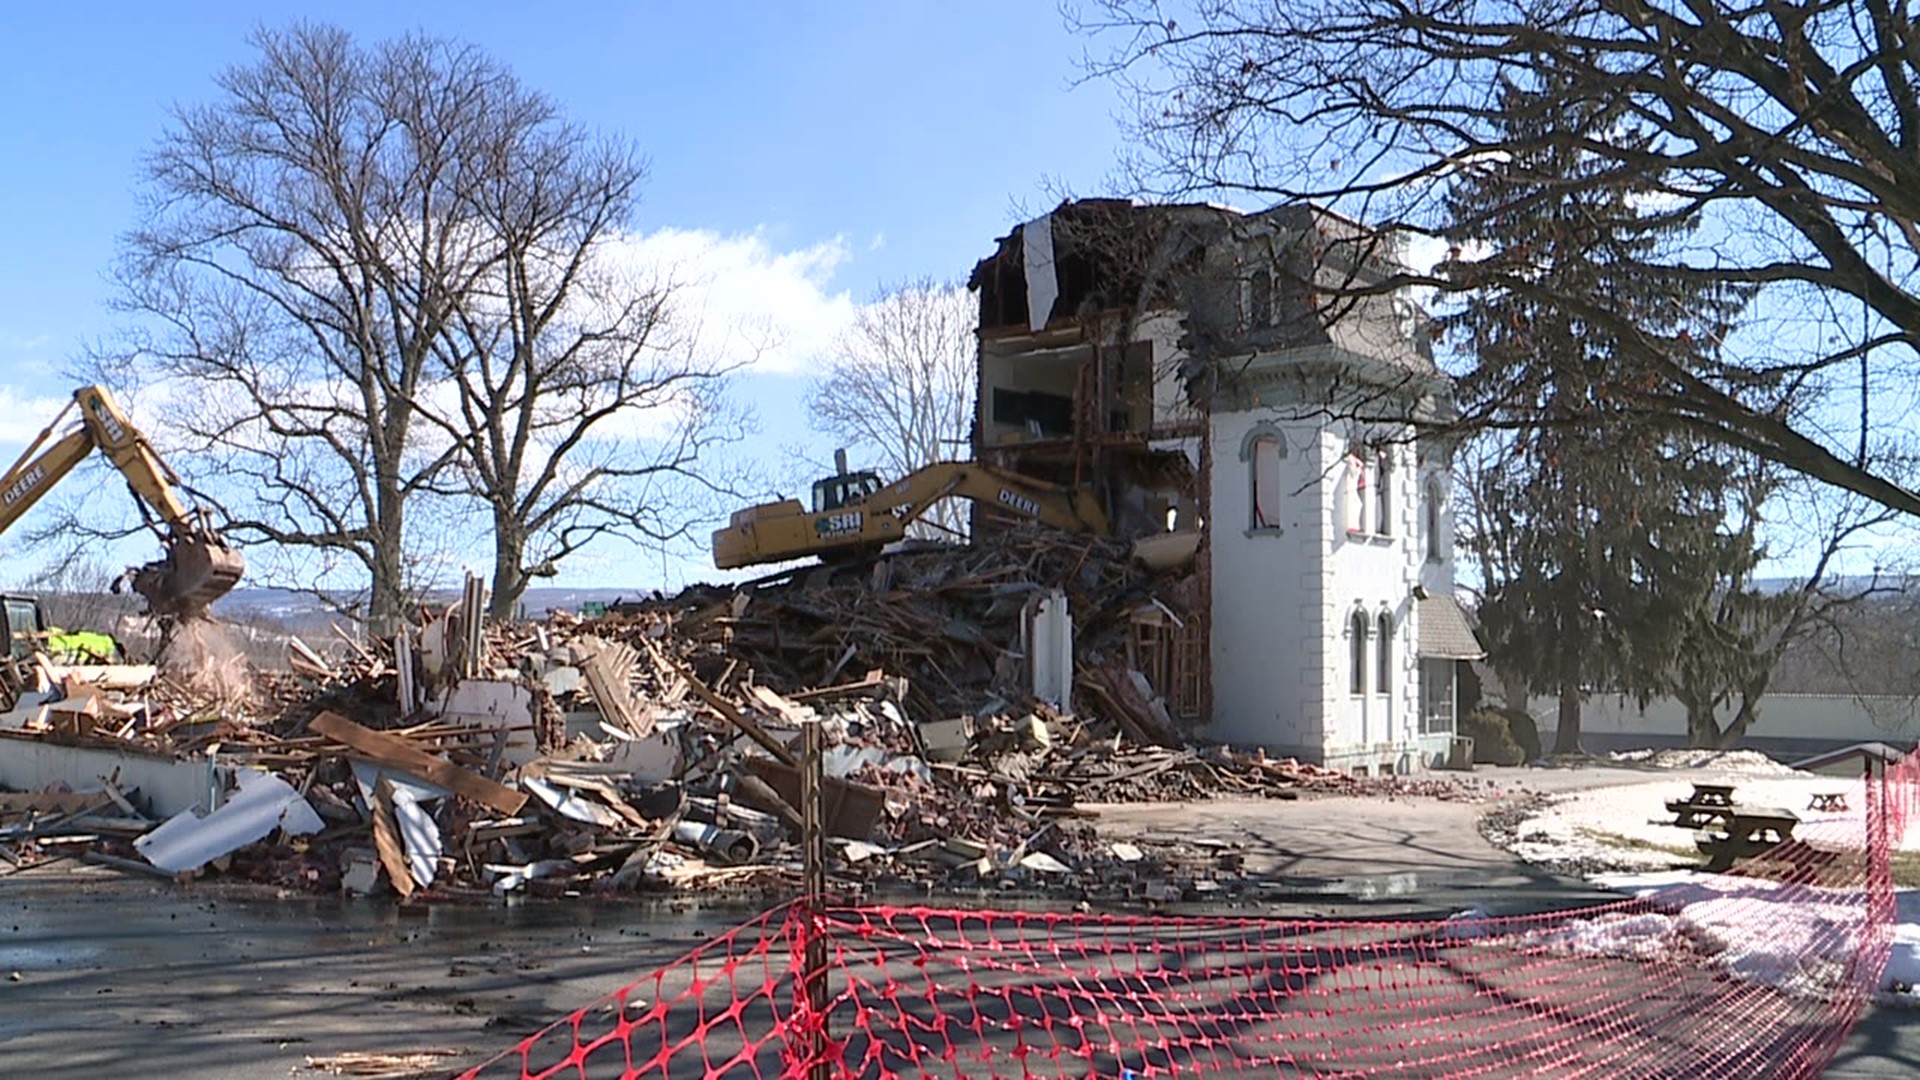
[1736, 631]
[372, 282]
[1785, 132]
[900, 384]
[300, 255]
[577, 411]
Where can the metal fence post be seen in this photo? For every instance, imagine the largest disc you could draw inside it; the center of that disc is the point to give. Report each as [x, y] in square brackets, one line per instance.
[813, 848]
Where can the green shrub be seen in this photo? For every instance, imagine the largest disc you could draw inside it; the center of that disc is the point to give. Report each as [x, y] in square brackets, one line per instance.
[1492, 737]
[1526, 734]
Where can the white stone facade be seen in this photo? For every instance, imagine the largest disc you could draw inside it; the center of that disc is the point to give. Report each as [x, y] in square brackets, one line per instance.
[1302, 555]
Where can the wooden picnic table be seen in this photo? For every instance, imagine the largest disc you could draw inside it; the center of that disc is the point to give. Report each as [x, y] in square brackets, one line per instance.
[1712, 795]
[1829, 801]
[1745, 832]
[1708, 805]
[1690, 815]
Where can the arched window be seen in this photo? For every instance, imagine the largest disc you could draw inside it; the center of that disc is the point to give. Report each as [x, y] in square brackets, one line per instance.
[1383, 656]
[1260, 300]
[1435, 550]
[1383, 493]
[1355, 493]
[1266, 482]
[1262, 450]
[1357, 631]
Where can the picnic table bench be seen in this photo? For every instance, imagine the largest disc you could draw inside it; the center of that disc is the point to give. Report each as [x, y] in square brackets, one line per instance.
[1829, 801]
[1709, 804]
[1745, 832]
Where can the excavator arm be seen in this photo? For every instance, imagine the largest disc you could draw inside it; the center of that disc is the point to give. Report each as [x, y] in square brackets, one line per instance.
[199, 566]
[1019, 496]
[786, 530]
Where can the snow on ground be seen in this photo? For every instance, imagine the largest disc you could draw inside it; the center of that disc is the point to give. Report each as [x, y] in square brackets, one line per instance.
[1621, 827]
[1795, 939]
[1731, 762]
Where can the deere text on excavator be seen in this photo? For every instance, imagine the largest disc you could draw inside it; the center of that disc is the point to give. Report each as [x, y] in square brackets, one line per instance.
[198, 568]
[853, 512]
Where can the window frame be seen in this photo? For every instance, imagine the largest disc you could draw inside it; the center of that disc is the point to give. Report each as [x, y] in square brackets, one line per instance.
[1259, 299]
[1383, 654]
[1269, 434]
[1383, 492]
[1357, 629]
[1435, 553]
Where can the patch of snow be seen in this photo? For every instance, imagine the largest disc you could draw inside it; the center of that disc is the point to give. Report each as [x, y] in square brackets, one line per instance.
[1644, 936]
[1624, 827]
[1796, 939]
[1474, 923]
[1644, 884]
[1900, 983]
[1732, 762]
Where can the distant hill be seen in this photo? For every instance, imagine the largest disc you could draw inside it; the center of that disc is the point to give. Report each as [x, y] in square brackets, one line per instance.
[298, 611]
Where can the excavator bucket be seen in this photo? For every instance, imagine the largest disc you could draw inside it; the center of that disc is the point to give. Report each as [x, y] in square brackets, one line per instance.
[194, 574]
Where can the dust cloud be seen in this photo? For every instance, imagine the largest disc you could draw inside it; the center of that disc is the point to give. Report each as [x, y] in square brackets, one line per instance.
[207, 656]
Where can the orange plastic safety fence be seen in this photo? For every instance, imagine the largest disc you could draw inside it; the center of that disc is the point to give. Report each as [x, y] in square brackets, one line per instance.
[1760, 971]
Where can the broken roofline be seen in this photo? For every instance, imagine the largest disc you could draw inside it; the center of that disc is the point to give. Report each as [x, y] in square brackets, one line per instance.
[1104, 260]
[1287, 215]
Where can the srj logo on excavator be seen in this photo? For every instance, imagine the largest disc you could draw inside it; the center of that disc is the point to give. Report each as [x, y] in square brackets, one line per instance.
[104, 417]
[838, 524]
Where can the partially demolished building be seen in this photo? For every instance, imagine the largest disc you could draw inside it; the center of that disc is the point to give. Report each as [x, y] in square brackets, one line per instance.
[1244, 390]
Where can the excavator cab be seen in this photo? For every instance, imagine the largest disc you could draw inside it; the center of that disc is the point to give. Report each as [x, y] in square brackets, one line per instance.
[24, 627]
[843, 488]
[846, 489]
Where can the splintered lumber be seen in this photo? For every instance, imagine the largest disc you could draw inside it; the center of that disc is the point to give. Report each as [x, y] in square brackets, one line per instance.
[304, 660]
[386, 839]
[731, 714]
[610, 689]
[389, 749]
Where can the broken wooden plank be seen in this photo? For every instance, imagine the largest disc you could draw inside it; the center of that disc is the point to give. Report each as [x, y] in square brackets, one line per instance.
[390, 749]
[611, 692]
[731, 714]
[874, 680]
[386, 839]
[108, 784]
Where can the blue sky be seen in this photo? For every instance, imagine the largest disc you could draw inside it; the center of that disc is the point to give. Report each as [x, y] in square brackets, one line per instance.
[810, 152]
[804, 155]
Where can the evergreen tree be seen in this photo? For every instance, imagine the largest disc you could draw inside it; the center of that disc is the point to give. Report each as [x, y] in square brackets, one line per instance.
[1608, 507]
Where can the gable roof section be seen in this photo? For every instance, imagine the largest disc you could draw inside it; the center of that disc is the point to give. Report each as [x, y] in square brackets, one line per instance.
[1445, 633]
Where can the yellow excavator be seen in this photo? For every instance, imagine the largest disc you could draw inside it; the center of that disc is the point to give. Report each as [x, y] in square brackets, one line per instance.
[198, 568]
[854, 512]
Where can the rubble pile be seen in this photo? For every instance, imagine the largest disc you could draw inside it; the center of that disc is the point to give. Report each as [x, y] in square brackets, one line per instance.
[946, 621]
[655, 747]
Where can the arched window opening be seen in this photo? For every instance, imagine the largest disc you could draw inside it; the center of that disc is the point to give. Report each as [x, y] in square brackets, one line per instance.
[1357, 631]
[1383, 653]
[1383, 493]
[1435, 550]
[1266, 482]
[1260, 300]
[1355, 493]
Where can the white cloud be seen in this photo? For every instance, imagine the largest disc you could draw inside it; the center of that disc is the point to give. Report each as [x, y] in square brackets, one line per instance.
[24, 415]
[769, 311]
[879, 241]
[17, 343]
